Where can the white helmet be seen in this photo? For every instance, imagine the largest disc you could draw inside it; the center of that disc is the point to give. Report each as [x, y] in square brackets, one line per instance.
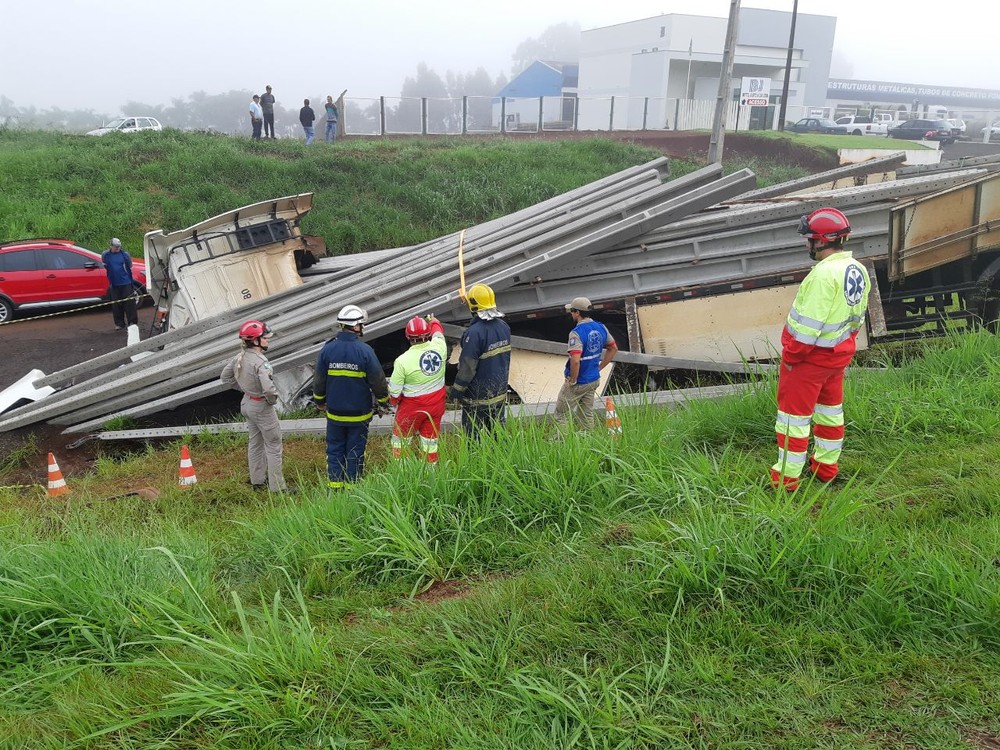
[351, 315]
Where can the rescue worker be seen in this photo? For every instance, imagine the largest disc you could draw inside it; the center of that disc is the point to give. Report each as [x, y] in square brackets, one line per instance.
[349, 385]
[250, 372]
[591, 348]
[416, 387]
[484, 365]
[818, 343]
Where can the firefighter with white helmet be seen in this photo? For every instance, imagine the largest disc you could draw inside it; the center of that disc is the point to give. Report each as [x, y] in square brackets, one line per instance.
[250, 372]
[818, 343]
[349, 385]
[416, 387]
[484, 365]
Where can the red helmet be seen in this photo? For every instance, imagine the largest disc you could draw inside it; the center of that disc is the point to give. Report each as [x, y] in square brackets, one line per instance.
[825, 225]
[418, 328]
[254, 329]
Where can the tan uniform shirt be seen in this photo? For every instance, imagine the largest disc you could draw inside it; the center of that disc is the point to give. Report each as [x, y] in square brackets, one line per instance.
[251, 373]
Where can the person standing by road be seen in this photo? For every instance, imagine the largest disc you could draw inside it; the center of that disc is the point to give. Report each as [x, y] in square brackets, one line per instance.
[817, 344]
[267, 106]
[121, 292]
[250, 372]
[484, 365]
[591, 348]
[307, 117]
[416, 387]
[256, 118]
[348, 385]
[331, 120]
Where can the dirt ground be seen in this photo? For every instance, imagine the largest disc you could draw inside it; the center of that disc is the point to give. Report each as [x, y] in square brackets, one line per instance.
[53, 343]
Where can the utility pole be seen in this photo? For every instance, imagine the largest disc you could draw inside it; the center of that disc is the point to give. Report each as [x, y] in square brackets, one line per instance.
[725, 86]
[788, 68]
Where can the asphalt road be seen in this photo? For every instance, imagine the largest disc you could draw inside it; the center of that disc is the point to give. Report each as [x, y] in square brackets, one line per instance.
[966, 149]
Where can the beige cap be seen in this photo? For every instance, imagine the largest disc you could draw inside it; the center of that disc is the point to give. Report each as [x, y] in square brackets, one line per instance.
[580, 304]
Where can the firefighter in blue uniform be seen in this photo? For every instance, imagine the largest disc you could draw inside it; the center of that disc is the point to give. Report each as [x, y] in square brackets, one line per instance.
[484, 365]
[350, 386]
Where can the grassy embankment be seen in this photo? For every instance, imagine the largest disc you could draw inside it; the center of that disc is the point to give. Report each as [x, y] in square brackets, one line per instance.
[647, 592]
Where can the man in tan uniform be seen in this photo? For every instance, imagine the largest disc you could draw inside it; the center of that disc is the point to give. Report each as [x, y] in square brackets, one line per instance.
[250, 372]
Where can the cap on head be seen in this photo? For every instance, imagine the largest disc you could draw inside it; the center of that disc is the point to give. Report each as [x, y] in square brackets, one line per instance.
[268, 88]
[115, 242]
[480, 297]
[825, 225]
[256, 97]
[580, 304]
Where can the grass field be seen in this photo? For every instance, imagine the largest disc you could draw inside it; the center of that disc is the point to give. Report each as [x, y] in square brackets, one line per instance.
[641, 593]
[646, 592]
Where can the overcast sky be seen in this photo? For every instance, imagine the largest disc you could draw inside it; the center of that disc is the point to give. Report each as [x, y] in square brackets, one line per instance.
[99, 54]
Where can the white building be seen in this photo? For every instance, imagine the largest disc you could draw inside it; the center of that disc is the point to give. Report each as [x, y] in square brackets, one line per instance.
[650, 65]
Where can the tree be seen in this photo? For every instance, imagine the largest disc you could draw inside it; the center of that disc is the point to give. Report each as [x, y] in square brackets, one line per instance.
[558, 43]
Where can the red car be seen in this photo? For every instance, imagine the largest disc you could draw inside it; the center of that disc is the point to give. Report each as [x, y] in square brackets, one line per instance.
[49, 273]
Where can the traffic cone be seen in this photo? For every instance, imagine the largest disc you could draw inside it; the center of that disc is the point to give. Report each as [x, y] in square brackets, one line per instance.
[57, 485]
[611, 420]
[187, 469]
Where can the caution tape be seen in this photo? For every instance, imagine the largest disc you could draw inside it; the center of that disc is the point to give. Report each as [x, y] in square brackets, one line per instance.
[72, 310]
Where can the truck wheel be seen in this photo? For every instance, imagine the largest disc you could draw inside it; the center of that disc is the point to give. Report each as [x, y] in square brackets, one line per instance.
[6, 311]
[857, 132]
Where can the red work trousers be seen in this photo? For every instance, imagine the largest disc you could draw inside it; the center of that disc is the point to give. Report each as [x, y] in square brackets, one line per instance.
[808, 394]
[421, 415]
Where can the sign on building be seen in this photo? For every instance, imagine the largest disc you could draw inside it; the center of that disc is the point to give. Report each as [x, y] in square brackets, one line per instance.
[754, 92]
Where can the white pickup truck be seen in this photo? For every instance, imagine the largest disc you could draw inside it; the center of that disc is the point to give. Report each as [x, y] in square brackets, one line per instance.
[877, 124]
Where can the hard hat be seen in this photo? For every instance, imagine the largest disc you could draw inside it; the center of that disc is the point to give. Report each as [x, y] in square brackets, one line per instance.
[115, 242]
[351, 315]
[418, 328]
[480, 297]
[254, 329]
[825, 225]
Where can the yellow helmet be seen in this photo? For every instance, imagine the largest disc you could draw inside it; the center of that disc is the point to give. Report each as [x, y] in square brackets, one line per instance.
[480, 297]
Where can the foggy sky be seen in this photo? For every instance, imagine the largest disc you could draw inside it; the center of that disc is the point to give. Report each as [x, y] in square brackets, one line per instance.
[98, 54]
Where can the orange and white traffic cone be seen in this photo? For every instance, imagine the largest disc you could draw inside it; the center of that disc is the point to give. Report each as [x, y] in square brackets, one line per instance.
[611, 420]
[57, 485]
[187, 469]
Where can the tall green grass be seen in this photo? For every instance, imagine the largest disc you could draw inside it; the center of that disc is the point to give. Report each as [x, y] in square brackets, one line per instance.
[645, 592]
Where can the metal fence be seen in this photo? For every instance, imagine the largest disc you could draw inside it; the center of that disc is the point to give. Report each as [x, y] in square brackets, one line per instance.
[484, 115]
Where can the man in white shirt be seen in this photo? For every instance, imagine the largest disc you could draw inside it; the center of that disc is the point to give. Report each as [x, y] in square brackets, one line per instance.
[256, 117]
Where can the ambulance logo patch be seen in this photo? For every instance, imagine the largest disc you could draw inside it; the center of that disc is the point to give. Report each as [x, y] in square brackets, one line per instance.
[854, 285]
[430, 363]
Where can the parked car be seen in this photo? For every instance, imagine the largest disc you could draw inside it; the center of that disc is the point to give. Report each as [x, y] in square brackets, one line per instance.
[994, 130]
[128, 124]
[818, 125]
[957, 126]
[863, 125]
[49, 272]
[929, 130]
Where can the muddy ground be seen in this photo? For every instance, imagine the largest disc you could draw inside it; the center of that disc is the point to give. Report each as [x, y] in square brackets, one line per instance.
[53, 343]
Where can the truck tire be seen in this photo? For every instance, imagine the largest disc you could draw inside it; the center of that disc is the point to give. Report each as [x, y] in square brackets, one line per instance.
[856, 132]
[6, 310]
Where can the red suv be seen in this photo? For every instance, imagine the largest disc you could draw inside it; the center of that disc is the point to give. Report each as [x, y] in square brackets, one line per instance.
[50, 273]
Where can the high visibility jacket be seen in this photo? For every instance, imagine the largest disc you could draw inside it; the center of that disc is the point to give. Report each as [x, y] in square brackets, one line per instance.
[348, 375]
[484, 366]
[419, 371]
[828, 311]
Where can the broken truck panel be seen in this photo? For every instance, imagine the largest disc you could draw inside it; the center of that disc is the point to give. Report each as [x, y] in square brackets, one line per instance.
[945, 227]
[230, 260]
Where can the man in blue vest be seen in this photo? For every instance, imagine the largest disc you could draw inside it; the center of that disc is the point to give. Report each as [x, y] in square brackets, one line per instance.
[118, 266]
[349, 385]
[591, 348]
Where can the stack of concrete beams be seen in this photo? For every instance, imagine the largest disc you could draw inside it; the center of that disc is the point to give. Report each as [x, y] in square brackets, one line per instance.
[183, 365]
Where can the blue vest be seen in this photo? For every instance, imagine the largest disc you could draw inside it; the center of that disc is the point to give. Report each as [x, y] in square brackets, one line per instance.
[594, 337]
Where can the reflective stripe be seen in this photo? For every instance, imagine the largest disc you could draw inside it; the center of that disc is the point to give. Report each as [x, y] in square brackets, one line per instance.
[423, 390]
[487, 401]
[342, 418]
[791, 458]
[346, 373]
[495, 352]
[830, 411]
[794, 420]
[829, 445]
[815, 340]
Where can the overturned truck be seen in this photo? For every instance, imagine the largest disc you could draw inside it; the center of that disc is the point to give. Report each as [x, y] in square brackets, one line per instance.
[694, 273]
